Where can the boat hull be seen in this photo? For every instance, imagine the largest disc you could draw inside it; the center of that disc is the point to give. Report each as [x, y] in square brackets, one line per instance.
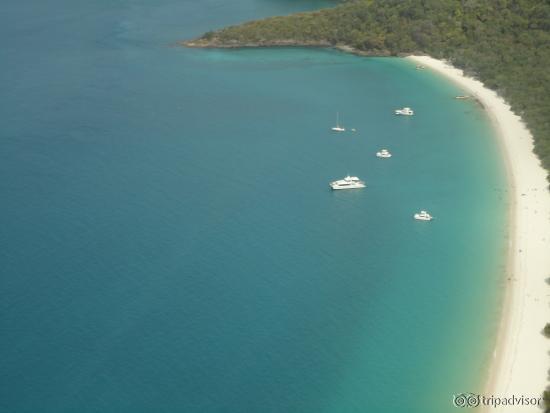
[422, 218]
[339, 187]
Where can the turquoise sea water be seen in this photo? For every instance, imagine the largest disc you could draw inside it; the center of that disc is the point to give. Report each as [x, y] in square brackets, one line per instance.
[169, 242]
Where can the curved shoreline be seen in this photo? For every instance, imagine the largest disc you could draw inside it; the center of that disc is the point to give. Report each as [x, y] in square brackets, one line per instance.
[213, 44]
[518, 367]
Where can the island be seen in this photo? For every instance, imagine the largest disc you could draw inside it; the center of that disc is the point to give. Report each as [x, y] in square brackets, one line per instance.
[503, 44]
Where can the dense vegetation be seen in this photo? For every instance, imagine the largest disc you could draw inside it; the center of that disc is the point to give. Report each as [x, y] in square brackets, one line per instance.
[504, 43]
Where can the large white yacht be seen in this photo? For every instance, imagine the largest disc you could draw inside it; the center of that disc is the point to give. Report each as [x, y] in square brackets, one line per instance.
[423, 216]
[383, 153]
[404, 111]
[349, 182]
[338, 128]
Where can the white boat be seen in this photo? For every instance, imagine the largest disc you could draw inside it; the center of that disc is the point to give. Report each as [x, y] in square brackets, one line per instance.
[349, 182]
[420, 67]
[384, 153]
[338, 128]
[462, 97]
[423, 216]
[404, 111]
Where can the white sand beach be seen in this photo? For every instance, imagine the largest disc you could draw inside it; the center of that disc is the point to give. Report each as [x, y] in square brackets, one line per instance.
[521, 362]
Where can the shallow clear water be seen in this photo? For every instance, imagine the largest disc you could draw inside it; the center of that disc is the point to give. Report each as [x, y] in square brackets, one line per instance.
[169, 241]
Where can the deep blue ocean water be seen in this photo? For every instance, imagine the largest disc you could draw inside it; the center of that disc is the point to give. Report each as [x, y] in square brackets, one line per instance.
[169, 242]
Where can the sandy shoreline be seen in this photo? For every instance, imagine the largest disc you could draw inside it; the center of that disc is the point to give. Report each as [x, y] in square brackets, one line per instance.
[520, 363]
